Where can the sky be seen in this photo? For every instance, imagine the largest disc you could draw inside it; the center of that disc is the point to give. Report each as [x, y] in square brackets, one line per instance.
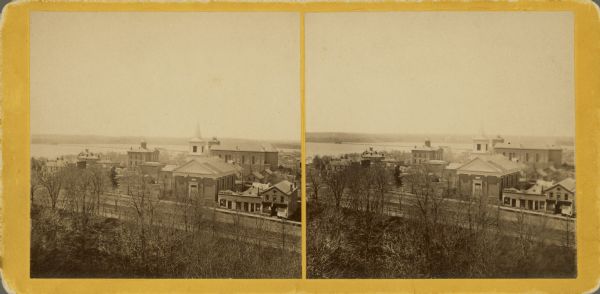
[237, 75]
[507, 73]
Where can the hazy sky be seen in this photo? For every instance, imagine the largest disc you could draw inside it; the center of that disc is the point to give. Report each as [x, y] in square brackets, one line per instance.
[440, 72]
[158, 74]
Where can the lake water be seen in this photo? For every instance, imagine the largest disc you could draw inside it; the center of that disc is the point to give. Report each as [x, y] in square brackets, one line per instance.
[55, 150]
[333, 149]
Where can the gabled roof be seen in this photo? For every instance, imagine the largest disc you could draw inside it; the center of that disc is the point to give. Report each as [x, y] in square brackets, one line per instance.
[568, 184]
[491, 164]
[284, 186]
[209, 166]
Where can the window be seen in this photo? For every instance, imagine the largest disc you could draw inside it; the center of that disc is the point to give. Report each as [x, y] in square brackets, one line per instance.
[194, 149]
[267, 197]
[542, 204]
[537, 157]
[281, 199]
[566, 196]
[243, 159]
[253, 160]
[478, 147]
[238, 205]
[229, 204]
[551, 195]
[527, 157]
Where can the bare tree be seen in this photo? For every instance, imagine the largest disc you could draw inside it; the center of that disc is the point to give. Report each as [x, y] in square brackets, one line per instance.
[314, 177]
[52, 182]
[336, 182]
[144, 204]
[98, 180]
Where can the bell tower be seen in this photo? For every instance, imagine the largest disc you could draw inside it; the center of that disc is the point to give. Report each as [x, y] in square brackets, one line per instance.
[197, 145]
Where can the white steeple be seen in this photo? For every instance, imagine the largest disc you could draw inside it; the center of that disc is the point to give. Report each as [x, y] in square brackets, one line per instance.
[197, 145]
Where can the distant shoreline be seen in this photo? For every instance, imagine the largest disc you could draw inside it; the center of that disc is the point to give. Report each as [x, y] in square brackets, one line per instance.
[340, 137]
[55, 139]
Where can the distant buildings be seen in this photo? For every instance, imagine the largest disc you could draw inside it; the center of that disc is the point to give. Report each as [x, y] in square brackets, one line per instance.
[371, 156]
[87, 158]
[536, 155]
[55, 165]
[530, 154]
[141, 154]
[250, 156]
[425, 153]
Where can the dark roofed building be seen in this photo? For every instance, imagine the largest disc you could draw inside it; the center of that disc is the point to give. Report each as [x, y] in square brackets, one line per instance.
[250, 156]
[203, 177]
[539, 155]
[141, 154]
[425, 153]
[487, 176]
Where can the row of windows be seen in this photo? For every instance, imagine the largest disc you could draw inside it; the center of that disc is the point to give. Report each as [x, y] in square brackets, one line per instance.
[282, 199]
[244, 160]
[527, 204]
[512, 155]
[558, 195]
[244, 206]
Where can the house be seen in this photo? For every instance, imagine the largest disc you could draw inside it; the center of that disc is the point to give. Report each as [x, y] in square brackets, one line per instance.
[247, 201]
[371, 156]
[532, 198]
[87, 158]
[55, 165]
[338, 164]
[281, 198]
[425, 153]
[560, 198]
[141, 154]
[487, 175]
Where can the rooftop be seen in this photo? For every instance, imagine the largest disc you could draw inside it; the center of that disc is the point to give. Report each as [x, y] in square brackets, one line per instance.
[495, 163]
[285, 186]
[248, 147]
[568, 183]
[209, 166]
[510, 145]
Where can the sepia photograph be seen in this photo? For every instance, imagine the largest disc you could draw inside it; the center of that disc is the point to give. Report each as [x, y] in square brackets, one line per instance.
[165, 145]
[440, 145]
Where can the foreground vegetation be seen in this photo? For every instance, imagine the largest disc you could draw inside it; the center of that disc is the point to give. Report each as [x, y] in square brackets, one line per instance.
[343, 243]
[68, 244]
[351, 234]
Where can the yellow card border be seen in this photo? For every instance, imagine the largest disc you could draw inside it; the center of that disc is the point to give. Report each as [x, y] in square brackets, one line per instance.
[15, 155]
